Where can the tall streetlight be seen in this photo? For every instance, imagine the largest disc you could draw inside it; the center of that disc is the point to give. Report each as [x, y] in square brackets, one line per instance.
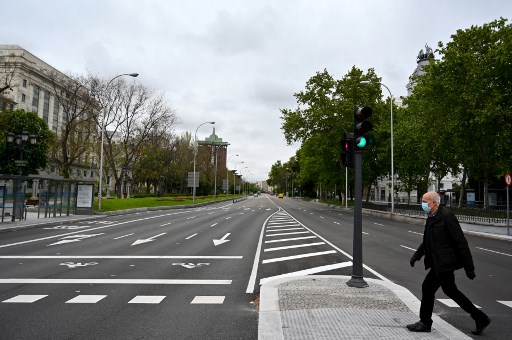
[195, 153]
[227, 174]
[392, 157]
[234, 178]
[103, 133]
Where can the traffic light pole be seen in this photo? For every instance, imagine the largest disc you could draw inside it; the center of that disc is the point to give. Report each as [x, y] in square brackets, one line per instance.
[357, 279]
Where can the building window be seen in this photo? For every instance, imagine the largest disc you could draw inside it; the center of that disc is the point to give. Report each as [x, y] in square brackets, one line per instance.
[23, 97]
[46, 106]
[24, 83]
[35, 99]
[55, 114]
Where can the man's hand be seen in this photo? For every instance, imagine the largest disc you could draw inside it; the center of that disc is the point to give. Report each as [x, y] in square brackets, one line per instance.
[470, 274]
[413, 259]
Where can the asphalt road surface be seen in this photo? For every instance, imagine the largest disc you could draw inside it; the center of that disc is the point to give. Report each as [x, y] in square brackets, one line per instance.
[194, 273]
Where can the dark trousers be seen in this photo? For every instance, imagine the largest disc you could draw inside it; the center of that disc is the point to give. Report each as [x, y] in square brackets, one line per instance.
[446, 281]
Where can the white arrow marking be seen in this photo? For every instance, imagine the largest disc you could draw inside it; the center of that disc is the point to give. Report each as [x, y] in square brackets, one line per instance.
[152, 238]
[78, 264]
[222, 240]
[73, 238]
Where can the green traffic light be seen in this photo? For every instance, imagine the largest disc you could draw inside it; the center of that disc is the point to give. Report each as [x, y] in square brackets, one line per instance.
[361, 143]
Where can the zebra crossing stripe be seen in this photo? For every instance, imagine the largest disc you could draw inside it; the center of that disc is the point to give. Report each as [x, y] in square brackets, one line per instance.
[506, 303]
[151, 299]
[25, 299]
[86, 299]
[217, 300]
[451, 303]
[301, 256]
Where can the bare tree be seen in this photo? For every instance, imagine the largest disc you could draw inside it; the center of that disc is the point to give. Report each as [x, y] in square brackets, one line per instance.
[132, 114]
[8, 67]
[76, 128]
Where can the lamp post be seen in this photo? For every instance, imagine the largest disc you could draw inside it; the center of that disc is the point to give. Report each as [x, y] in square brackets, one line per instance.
[103, 133]
[227, 174]
[234, 179]
[195, 153]
[19, 142]
[392, 156]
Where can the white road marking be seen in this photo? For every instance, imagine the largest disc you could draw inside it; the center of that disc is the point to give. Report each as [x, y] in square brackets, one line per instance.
[190, 236]
[96, 228]
[413, 232]
[191, 217]
[379, 224]
[308, 271]
[365, 233]
[163, 225]
[291, 239]
[217, 300]
[451, 303]
[213, 225]
[337, 223]
[86, 299]
[492, 251]
[285, 229]
[143, 257]
[217, 242]
[149, 239]
[151, 299]
[293, 233]
[506, 303]
[24, 299]
[227, 218]
[295, 246]
[301, 256]
[117, 238]
[407, 248]
[120, 281]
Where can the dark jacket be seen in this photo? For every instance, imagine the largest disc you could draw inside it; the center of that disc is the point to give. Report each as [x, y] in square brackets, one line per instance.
[444, 246]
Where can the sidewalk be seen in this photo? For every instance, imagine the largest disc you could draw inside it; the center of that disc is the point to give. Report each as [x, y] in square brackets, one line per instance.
[324, 307]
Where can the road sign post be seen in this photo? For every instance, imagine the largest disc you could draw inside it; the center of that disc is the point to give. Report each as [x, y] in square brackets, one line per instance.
[508, 182]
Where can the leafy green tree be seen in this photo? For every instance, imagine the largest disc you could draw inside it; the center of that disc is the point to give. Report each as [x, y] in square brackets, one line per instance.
[464, 103]
[36, 155]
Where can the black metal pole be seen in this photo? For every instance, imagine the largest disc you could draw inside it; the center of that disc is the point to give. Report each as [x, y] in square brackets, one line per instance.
[357, 279]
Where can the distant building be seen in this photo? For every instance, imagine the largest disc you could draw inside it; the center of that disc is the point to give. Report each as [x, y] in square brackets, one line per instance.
[213, 151]
[29, 84]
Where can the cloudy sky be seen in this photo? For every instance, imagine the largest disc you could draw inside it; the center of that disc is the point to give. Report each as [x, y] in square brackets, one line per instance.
[238, 62]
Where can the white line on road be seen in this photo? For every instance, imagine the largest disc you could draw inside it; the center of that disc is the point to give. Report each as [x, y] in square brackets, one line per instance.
[285, 229]
[492, 251]
[293, 233]
[163, 225]
[117, 238]
[119, 281]
[141, 257]
[295, 246]
[213, 225]
[365, 233]
[25, 299]
[413, 232]
[218, 300]
[407, 248]
[308, 271]
[86, 299]
[291, 239]
[190, 236]
[379, 224]
[301, 256]
[147, 299]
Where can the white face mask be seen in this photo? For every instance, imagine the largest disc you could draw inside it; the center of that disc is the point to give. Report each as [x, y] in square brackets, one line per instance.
[425, 207]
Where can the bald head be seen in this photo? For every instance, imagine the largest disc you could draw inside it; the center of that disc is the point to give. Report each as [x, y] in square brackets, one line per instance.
[433, 199]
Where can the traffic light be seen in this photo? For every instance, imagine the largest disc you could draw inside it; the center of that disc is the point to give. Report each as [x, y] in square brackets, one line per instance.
[347, 149]
[361, 127]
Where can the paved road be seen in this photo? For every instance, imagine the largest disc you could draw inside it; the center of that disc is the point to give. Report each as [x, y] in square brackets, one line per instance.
[193, 273]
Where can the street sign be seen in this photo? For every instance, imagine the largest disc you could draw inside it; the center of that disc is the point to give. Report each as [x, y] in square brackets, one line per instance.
[508, 179]
[190, 179]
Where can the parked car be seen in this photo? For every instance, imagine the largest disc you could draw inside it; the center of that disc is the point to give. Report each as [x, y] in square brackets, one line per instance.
[280, 195]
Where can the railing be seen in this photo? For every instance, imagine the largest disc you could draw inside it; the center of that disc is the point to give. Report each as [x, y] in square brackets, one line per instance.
[495, 215]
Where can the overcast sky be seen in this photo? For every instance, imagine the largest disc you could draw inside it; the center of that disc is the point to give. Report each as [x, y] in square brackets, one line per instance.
[238, 62]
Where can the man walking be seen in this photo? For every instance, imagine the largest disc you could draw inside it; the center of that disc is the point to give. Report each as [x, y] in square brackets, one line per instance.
[445, 249]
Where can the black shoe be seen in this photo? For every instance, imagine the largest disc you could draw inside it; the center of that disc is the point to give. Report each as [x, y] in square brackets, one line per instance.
[481, 324]
[418, 327]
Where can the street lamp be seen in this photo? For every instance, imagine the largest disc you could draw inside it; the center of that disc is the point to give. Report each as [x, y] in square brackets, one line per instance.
[20, 141]
[103, 133]
[195, 152]
[227, 174]
[392, 157]
[234, 179]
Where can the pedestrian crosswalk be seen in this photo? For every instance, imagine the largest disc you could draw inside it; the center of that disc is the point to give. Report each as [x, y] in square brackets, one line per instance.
[139, 299]
[290, 243]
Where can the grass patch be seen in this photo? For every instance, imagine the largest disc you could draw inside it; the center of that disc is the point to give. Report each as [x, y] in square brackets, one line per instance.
[113, 204]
